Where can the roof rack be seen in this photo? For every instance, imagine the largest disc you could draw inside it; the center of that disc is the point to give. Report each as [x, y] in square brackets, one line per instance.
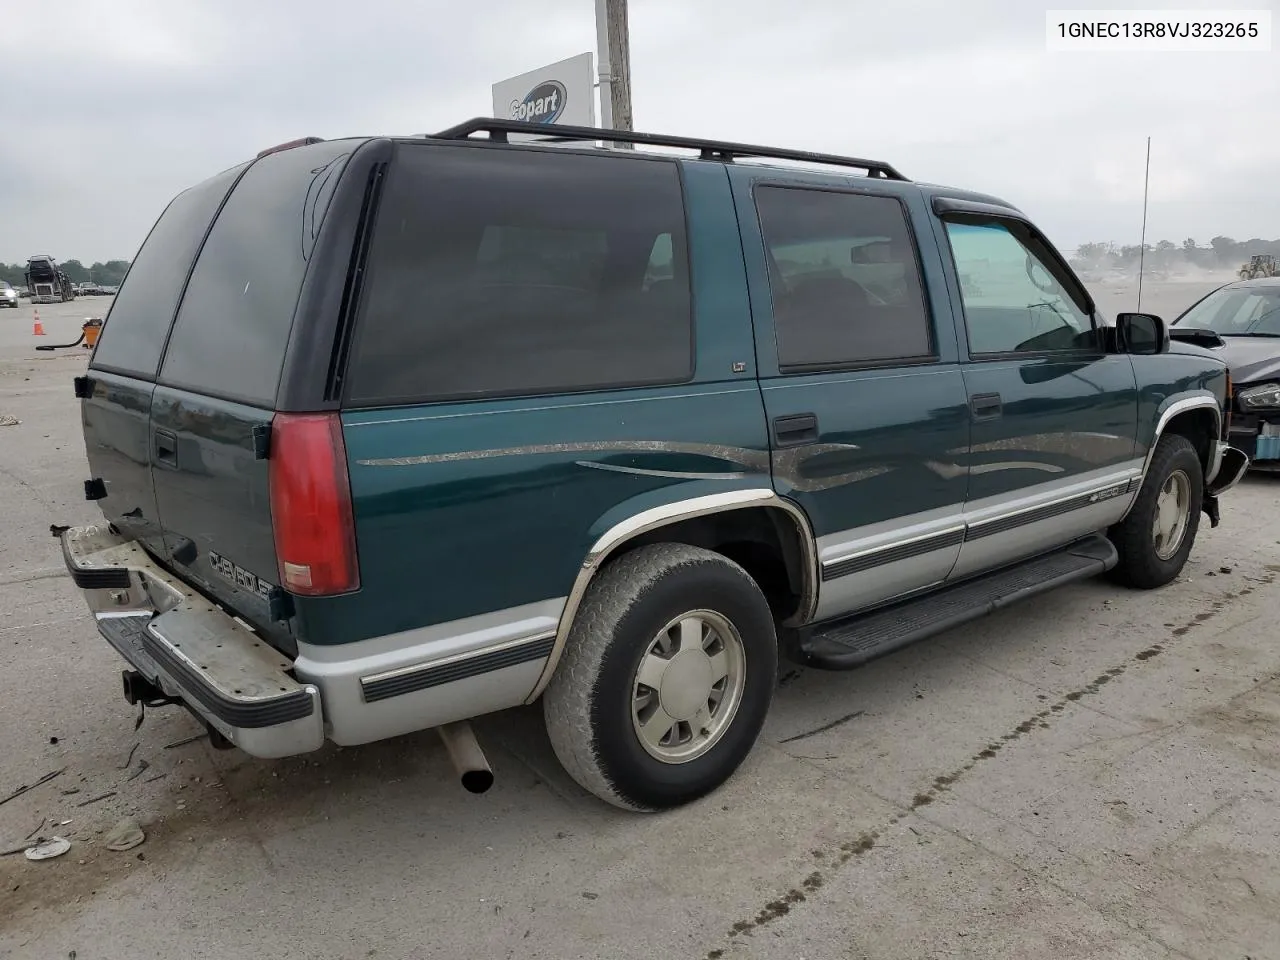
[709, 149]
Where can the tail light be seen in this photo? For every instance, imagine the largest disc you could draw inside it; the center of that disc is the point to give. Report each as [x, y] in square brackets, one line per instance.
[311, 511]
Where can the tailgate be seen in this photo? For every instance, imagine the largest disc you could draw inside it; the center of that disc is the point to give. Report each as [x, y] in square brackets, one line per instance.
[212, 490]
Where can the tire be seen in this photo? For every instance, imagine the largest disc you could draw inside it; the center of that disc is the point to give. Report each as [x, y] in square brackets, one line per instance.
[595, 701]
[1143, 564]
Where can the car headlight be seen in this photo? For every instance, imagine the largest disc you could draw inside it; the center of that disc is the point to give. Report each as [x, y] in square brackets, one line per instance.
[1260, 397]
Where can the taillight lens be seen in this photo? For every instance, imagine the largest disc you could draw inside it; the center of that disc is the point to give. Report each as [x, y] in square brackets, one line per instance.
[311, 511]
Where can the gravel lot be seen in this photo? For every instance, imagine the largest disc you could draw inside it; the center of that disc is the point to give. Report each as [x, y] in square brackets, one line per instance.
[1091, 775]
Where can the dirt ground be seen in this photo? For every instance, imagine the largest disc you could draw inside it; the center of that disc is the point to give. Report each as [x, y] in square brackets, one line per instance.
[1091, 775]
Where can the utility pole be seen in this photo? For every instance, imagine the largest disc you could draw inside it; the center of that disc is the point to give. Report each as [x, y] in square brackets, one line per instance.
[614, 63]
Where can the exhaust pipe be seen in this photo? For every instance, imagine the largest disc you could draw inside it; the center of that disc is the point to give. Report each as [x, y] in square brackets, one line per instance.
[468, 759]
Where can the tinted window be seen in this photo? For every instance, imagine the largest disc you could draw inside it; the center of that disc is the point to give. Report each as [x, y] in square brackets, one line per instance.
[1016, 297]
[1237, 311]
[845, 280]
[504, 272]
[230, 336]
[133, 336]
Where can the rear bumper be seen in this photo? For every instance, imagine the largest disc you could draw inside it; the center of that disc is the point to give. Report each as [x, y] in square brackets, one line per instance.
[188, 647]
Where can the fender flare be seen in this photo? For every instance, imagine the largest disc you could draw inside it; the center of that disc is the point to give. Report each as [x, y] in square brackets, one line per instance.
[665, 515]
[1174, 406]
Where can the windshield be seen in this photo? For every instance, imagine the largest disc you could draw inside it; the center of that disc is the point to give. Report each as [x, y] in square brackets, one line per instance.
[1236, 311]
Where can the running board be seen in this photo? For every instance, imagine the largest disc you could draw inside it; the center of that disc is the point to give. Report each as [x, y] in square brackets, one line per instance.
[852, 642]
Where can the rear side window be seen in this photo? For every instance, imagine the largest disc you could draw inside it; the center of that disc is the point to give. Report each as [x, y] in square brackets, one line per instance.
[845, 279]
[133, 337]
[507, 272]
[233, 326]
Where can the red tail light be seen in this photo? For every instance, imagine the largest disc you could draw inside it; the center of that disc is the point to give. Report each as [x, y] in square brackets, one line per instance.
[311, 505]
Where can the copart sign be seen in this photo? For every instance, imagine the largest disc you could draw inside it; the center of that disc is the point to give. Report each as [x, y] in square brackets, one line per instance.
[543, 104]
[561, 93]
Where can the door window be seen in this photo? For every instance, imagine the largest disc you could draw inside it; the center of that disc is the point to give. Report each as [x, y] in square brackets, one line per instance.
[845, 280]
[1017, 298]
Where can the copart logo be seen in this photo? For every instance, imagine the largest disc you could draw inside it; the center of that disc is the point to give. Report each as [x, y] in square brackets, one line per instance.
[543, 104]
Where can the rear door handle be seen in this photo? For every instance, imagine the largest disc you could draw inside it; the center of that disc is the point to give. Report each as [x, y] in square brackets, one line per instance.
[166, 447]
[795, 429]
[985, 406]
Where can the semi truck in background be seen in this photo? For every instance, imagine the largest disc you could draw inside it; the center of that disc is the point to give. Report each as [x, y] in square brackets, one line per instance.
[47, 283]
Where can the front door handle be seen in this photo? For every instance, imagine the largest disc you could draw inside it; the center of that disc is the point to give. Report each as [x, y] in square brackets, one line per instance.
[166, 448]
[985, 406]
[795, 429]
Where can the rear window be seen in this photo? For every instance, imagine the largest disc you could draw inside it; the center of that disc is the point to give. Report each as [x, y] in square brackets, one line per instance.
[233, 326]
[133, 336]
[500, 272]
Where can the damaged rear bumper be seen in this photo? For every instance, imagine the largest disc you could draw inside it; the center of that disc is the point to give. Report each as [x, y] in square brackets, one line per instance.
[189, 648]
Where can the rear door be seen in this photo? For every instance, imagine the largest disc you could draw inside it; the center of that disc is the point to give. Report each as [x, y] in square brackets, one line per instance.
[122, 369]
[216, 394]
[857, 353]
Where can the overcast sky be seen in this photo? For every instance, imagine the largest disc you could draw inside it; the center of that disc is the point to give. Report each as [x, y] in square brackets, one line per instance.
[127, 102]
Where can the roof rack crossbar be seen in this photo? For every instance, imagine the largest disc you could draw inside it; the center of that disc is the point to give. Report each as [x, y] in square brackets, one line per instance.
[725, 151]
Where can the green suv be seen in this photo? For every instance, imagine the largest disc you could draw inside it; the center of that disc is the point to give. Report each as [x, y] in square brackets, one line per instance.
[392, 433]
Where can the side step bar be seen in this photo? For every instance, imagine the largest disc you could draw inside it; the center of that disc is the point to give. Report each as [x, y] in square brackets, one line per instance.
[855, 641]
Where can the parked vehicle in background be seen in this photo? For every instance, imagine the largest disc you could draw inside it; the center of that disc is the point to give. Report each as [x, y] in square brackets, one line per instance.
[1245, 314]
[1263, 265]
[89, 289]
[47, 283]
[8, 295]
[607, 429]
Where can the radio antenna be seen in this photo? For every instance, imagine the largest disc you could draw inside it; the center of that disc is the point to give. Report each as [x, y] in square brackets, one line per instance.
[1142, 246]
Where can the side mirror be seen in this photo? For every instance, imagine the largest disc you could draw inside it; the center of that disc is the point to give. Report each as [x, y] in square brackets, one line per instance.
[1141, 333]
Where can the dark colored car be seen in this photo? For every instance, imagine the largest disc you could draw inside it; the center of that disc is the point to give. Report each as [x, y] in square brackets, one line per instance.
[1246, 315]
[391, 433]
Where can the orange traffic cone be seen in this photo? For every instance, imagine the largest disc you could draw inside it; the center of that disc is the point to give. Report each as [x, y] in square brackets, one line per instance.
[39, 327]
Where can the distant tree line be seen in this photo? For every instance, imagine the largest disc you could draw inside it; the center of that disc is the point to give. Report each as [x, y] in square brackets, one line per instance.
[107, 274]
[1222, 253]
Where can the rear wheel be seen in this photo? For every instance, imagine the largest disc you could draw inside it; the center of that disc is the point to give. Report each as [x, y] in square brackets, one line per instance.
[1156, 537]
[666, 678]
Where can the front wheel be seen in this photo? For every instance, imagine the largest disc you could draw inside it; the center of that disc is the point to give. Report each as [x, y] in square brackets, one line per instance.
[666, 677]
[1156, 537]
